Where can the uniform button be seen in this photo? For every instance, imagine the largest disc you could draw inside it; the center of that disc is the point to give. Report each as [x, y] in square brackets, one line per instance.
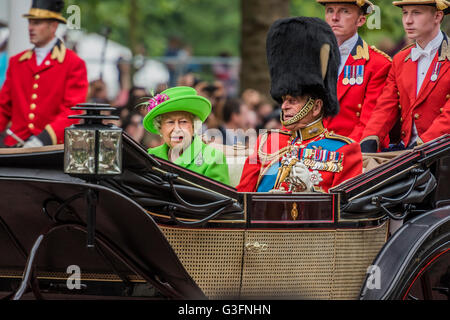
[416, 116]
[47, 63]
[32, 106]
[31, 116]
[37, 77]
[403, 134]
[447, 96]
[358, 114]
[398, 93]
[31, 126]
[400, 107]
[35, 86]
[34, 96]
[441, 110]
[401, 119]
[359, 106]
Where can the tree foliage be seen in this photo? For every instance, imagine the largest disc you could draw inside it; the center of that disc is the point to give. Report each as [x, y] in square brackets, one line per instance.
[209, 27]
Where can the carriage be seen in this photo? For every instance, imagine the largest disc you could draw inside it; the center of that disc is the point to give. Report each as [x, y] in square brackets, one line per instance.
[157, 231]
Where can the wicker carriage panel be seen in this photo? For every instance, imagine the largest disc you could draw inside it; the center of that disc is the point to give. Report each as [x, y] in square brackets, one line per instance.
[300, 264]
[310, 265]
[295, 264]
[213, 258]
[355, 251]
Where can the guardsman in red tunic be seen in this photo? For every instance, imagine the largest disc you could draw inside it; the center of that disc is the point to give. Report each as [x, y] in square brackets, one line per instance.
[42, 84]
[303, 59]
[418, 86]
[362, 71]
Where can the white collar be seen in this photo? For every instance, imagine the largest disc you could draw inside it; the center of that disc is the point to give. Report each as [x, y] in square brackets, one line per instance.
[49, 46]
[347, 46]
[433, 44]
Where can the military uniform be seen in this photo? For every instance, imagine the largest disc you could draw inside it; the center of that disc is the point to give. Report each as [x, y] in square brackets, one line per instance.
[41, 86]
[303, 58]
[359, 85]
[428, 110]
[330, 159]
[417, 91]
[37, 99]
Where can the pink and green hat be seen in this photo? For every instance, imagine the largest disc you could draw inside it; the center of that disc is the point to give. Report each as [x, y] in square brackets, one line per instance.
[176, 99]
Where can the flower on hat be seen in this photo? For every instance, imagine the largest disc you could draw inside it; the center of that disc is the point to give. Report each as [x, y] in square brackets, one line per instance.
[155, 101]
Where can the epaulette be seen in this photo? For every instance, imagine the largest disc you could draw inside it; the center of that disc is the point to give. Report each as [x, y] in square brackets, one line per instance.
[408, 46]
[445, 51]
[332, 135]
[362, 52]
[384, 54]
[26, 56]
[59, 52]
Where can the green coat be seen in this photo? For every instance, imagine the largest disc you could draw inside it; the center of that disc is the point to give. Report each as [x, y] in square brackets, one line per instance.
[200, 158]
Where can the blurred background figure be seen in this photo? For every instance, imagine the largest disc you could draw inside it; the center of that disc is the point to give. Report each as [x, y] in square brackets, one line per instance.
[98, 92]
[132, 125]
[136, 96]
[173, 50]
[226, 73]
[216, 94]
[124, 79]
[251, 97]
[272, 121]
[188, 79]
[235, 117]
[263, 109]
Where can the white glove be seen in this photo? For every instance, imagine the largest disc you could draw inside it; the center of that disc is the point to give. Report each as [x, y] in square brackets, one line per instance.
[300, 176]
[33, 142]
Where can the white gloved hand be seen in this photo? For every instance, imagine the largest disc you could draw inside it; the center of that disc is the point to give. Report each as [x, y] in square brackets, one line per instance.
[300, 176]
[33, 142]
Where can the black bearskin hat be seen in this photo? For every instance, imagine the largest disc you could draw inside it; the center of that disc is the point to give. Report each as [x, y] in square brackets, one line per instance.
[303, 57]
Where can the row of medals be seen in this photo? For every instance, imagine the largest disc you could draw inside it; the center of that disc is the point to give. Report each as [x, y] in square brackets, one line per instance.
[310, 163]
[352, 80]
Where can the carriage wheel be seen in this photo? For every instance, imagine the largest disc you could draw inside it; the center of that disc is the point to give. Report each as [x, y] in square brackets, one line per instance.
[428, 275]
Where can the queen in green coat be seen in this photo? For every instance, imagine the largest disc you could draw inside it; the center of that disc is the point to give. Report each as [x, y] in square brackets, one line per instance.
[174, 114]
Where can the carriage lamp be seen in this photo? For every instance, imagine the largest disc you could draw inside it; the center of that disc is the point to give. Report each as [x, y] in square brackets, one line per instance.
[93, 150]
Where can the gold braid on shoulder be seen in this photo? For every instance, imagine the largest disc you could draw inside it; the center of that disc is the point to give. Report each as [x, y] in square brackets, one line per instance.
[384, 54]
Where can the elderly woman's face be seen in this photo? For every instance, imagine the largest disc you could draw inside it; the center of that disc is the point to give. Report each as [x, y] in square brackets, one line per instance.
[177, 129]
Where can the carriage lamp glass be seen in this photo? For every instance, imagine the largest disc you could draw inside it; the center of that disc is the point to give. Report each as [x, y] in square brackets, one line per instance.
[93, 151]
[79, 151]
[109, 155]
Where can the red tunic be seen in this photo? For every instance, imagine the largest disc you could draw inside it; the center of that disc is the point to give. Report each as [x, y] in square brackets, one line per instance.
[257, 165]
[36, 98]
[358, 101]
[430, 109]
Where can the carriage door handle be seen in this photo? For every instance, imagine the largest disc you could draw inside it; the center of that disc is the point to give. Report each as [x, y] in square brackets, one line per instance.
[255, 246]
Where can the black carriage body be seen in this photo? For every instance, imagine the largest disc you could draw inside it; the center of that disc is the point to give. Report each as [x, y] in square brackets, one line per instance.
[166, 232]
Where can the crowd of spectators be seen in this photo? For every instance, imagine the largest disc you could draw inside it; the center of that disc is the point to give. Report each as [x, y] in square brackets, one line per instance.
[231, 118]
